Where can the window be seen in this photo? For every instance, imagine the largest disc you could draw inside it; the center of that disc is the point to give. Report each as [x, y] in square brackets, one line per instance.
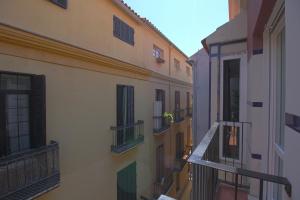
[231, 90]
[61, 3]
[126, 183]
[123, 31]
[158, 53]
[125, 114]
[176, 64]
[159, 109]
[188, 70]
[22, 113]
[160, 152]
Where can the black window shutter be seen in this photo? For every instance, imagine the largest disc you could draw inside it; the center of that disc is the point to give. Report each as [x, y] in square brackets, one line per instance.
[38, 111]
[61, 3]
[3, 139]
[130, 105]
[120, 94]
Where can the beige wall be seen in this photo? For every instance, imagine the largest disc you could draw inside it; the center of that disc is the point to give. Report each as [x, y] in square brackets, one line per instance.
[90, 26]
[81, 107]
[83, 62]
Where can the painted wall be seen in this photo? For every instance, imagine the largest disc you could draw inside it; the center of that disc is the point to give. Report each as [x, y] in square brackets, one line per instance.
[201, 95]
[81, 108]
[90, 26]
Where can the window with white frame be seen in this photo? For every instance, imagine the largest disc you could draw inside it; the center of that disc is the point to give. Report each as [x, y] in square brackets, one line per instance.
[158, 52]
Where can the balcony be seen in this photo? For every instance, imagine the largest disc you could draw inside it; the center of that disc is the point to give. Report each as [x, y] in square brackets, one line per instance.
[160, 124]
[189, 111]
[162, 186]
[223, 175]
[29, 174]
[178, 115]
[127, 137]
[160, 60]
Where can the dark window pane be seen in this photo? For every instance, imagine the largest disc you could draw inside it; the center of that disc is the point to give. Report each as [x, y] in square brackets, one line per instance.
[24, 142]
[24, 82]
[231, 90]
[9, 82]
[12, 129]
[12, 115]
[11, 101]
[14, 145]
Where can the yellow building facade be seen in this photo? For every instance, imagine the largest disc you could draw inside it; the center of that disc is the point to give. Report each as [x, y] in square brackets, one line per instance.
[89, 65]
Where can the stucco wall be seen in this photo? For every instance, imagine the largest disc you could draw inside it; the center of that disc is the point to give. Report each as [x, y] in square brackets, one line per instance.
[90, 26]
[81, 108]
[201, 95]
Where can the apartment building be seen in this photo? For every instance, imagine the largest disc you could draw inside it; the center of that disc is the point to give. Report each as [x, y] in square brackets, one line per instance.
[250, 150]
[83, 92]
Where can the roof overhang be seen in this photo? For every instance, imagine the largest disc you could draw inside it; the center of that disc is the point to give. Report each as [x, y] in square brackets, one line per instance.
[130, 12]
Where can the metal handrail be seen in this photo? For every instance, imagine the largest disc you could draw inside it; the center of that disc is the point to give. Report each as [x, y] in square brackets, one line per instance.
[139, 122]
[27, 153]
[28, 169]
[199, 157]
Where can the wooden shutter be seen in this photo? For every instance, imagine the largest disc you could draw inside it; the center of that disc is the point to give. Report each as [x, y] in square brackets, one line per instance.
[38, 111]
[120, 114]
[120, 105]
[123, 31]
[130, 114]
[61, 3]
[3, 139]
[126, 180]
[130, 105]
[117, 26]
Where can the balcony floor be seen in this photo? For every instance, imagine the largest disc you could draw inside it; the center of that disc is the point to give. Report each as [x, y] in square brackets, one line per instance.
[226, 192]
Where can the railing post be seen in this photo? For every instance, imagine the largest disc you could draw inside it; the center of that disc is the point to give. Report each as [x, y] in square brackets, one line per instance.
[236, 186]
[261, 189]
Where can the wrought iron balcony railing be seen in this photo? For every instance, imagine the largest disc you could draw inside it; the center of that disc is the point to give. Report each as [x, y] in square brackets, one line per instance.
[160, 124]
[208, 166]
[179, 115]
[127, 137]
[189, 111]
[29, 174]
[162, 186]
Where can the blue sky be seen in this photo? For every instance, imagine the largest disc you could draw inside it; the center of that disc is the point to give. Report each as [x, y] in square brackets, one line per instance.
[184, 22]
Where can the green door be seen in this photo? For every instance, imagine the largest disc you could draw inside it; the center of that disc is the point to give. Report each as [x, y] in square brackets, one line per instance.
[127, 183]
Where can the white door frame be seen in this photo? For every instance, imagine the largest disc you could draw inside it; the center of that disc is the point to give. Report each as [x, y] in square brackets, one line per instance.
[242, 106]
[275, 149]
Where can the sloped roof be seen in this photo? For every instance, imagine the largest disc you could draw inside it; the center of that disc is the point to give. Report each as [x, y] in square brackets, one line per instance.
[148, 23]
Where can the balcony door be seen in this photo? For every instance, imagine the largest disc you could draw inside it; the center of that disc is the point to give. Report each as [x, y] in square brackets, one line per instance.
[233, 91]
[160, 162]
[126, 183]
[125, 114]
[159, 109]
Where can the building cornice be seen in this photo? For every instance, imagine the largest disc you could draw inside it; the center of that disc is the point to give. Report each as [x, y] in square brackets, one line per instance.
[23, 38]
